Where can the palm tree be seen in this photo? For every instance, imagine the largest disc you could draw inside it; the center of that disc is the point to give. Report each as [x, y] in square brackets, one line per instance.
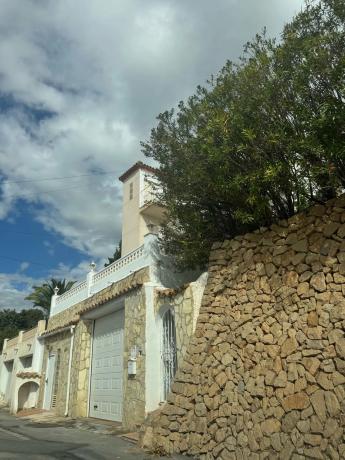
[41, 295]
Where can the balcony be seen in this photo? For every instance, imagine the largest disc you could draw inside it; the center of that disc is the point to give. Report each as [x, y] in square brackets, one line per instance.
[96, 281]
[148, 203]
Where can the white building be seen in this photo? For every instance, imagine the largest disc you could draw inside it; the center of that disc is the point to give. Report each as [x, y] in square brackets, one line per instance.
[20, 369]
[114, 340]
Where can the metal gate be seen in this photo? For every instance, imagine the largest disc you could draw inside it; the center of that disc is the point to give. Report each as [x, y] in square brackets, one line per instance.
[169, 357]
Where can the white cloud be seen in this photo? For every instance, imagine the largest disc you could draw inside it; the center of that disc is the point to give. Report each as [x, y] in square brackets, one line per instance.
[24, 266]
[14, 288]
[103, 70]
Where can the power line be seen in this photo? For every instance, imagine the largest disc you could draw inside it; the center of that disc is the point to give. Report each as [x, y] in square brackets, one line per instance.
[39, 235]
[23, 261]
[38, 192]
[101, 173]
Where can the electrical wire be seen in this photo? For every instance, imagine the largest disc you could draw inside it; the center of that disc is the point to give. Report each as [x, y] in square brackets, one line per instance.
[39, 192]
[101, 173]
[23, 261]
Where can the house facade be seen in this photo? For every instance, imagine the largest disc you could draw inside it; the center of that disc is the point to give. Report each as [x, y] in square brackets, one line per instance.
[20, 368]
[113, 342]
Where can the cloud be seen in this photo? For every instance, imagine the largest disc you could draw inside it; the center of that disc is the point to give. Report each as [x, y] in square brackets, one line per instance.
[24, 266]
[81, 84]
[14, 288]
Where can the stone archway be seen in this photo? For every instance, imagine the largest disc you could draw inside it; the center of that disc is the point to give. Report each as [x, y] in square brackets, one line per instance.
[27, 395]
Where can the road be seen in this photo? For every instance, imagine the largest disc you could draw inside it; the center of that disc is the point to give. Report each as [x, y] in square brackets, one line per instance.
[21, 439]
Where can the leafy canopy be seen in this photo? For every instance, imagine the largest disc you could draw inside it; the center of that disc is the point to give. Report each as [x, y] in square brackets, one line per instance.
[41, 295]
[263, 140]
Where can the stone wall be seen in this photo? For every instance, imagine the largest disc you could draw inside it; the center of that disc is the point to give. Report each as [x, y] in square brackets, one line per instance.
[264, 374]
[58, 344]
[134, 336]
[80, 371]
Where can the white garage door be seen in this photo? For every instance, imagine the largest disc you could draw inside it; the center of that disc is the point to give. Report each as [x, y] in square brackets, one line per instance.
[107, 368]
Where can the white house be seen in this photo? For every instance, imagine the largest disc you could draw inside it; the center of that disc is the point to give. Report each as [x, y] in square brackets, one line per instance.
[114, 340]
[20, 368]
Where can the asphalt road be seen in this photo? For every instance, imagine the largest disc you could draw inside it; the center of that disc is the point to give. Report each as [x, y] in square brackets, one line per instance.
[21, 439]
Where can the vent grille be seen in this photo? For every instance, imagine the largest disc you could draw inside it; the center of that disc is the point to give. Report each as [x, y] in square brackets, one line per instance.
[53, 405]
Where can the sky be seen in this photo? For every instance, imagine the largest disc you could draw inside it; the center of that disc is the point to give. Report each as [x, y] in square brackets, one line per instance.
[81, 84]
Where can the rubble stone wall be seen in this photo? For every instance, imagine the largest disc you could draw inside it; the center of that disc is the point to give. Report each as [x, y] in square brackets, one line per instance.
[134, 337]
[80, 370]
[264, 374]
[59, 345]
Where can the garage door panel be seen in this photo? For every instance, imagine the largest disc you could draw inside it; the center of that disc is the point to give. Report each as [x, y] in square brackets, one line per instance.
[107, 368]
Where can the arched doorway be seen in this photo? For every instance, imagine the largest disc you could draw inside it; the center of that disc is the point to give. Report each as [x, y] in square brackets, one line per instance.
[27, 395]
[169, 355]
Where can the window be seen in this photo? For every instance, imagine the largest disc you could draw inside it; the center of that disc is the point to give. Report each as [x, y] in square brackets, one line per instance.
[27, 362]
[131, 191]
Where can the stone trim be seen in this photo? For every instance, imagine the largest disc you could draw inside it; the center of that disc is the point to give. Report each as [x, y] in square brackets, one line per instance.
[59, 329]
[169, 292]
[28, 375]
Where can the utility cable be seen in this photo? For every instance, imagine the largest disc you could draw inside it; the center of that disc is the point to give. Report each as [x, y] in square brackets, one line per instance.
[44, 191]
[101, 173]
[23, 261]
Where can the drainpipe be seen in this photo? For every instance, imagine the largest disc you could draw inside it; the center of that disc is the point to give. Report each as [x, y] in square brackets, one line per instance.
[72, 329]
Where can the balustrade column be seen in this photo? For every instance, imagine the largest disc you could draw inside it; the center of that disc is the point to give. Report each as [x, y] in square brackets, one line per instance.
[53, 300]
[89, 278]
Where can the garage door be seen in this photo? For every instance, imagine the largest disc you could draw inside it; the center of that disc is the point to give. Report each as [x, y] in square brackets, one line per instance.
[107, 368]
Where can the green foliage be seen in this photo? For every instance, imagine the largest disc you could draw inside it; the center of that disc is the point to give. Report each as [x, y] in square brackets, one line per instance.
[41, 295]
[12, 321]
[116, 255]
[262, 141]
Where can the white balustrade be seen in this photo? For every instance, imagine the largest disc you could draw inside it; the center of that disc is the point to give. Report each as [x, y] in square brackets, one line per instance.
[76, 294]
[130, 263]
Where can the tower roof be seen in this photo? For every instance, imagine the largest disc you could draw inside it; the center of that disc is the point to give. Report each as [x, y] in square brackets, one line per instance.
[134, 168]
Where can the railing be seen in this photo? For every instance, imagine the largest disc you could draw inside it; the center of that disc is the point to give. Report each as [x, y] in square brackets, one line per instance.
[76, 294]
[30, 334]
[148, 195]
[12, 342]
[150, 191]
[120, 263]
[135, 260]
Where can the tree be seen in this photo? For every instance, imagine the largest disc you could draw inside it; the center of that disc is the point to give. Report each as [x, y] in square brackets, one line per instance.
[41, 295]
[262, 141]
[116, 255]
[12, 321]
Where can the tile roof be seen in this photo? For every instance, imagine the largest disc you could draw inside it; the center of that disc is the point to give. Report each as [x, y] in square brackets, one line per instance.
[134, 168]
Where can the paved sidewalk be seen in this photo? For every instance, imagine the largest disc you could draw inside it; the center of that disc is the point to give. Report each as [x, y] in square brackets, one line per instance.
[60, 439]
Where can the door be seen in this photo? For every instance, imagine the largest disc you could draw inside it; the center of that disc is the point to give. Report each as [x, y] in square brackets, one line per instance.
[169, 352]
[49, 382]
[107, 368]
[9, 372]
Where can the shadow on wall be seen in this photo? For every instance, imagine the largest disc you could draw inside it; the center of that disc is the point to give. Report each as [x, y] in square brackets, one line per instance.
[165, 271]
[27, 395]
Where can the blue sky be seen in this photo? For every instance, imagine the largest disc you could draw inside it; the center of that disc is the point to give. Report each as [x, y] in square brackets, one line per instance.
[80, 86]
